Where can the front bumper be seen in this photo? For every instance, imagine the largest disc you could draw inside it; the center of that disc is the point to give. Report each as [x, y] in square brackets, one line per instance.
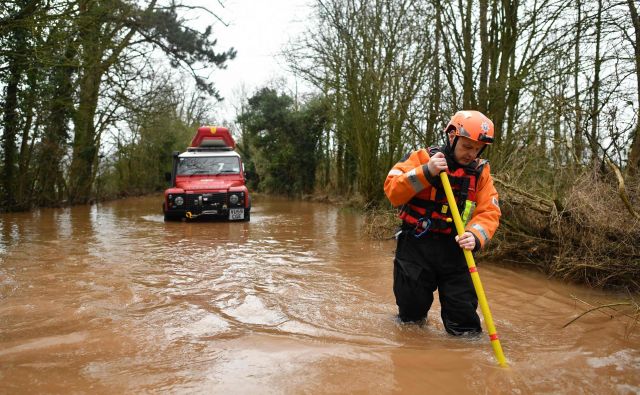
[214, 205]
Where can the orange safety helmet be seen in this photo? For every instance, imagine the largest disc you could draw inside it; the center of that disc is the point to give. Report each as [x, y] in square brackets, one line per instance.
[471, 124]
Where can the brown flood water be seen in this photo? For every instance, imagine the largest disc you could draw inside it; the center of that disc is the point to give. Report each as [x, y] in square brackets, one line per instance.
[110, 299]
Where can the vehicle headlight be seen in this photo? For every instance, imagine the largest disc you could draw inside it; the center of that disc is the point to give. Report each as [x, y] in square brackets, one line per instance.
[179, 201]
[233, 199]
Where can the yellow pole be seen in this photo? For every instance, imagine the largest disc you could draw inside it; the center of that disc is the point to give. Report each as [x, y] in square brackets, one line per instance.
[475, 277]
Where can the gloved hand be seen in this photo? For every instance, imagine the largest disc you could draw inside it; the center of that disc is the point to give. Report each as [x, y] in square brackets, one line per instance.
[467, 241]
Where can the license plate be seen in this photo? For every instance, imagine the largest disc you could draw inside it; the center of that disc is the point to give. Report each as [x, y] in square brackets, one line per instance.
[236, 213]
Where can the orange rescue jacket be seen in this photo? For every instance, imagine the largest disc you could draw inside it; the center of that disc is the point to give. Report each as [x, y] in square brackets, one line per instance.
[410, 177]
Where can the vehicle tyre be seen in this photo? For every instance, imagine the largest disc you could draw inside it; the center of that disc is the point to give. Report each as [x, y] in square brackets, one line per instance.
[247, 214]
[171, 217]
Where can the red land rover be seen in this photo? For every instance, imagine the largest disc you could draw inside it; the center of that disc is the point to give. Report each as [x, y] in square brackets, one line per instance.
[208, 179]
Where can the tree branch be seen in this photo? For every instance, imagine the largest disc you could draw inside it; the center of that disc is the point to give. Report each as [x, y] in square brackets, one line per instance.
[621, 189]
[595, 309]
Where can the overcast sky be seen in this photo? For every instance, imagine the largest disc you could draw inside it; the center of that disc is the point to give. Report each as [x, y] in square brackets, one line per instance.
[258, 30]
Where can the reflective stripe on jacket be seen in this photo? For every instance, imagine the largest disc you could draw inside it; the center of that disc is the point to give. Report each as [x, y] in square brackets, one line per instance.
[410, 179]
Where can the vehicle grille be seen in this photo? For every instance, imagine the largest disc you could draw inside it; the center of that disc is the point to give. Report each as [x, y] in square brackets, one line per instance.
[205, 201]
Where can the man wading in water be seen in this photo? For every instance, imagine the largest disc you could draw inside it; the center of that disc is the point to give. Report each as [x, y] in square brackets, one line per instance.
[429, 253]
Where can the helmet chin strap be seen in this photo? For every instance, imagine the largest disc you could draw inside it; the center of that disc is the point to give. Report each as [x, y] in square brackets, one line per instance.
[449, 148]
[453, 146]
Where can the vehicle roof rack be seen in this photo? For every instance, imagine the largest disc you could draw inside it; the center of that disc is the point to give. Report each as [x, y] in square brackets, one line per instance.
[208, 149]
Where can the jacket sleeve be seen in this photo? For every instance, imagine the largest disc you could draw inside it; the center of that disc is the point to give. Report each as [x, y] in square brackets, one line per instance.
[407, 178]
[486, 217]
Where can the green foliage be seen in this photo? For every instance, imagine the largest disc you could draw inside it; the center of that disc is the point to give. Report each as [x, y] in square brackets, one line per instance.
[73, 70]
[282, 141]
[139, 162]
[16, 52]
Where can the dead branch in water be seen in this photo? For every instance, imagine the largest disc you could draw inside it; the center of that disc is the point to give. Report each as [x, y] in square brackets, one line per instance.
[596, 309]
[608, 314]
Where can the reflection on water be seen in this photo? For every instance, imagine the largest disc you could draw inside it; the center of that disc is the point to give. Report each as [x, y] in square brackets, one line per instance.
[109, 298]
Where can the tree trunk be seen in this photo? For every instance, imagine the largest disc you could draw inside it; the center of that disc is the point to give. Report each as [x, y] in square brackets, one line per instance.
[634, 153]
[499, 87]
[578, 145]
[468, 101]
[56, 133]
[10, 120]
[512, 99]
[595, 108]
[26, 180]
[436, 88]
[17, 51]
[85, 146]
[484, 57]
[95, 44]
[449, 68]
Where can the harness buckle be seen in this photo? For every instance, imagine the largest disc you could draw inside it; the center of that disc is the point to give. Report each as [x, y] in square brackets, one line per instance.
[425, 224]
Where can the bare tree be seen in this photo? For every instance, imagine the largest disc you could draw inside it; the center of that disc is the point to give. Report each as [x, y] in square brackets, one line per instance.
[634, 152]
[372, 58]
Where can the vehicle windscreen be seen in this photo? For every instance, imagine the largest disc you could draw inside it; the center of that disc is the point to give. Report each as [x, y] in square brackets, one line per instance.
[208, 165]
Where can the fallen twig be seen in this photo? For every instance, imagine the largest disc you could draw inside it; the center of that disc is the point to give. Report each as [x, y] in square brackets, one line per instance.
[595, 309]
[621, 312]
